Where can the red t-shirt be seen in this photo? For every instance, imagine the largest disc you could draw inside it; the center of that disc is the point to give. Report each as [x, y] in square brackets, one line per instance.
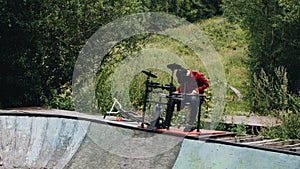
[196, 81]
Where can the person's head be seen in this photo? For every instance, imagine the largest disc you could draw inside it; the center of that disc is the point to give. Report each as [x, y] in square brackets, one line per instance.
[182, 74]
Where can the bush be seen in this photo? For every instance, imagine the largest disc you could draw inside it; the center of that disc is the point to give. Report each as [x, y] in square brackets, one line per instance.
[270, 94]
[60, 99]
[289, 129]
[272, 98]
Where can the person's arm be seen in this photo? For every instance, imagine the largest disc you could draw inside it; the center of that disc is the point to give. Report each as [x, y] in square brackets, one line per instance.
[199, 76]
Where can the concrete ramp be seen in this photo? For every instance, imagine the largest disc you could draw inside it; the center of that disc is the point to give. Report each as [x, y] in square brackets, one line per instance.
[65, 139]
[62, 139]
[203, 155]
[39, 142]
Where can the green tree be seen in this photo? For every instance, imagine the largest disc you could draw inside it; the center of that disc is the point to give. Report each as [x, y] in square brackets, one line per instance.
[273, 31]
[191, 10]
[273, 28]
[40, 41]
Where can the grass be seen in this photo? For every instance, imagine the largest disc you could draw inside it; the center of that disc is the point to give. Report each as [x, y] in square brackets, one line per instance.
[230, 42]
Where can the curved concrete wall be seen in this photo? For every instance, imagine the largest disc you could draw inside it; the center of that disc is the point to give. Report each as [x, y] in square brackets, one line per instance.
[112, 147]
[39, 142]
[204, 155]
[34, 141]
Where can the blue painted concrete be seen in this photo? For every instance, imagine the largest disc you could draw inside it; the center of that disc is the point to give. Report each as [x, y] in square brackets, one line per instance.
[204, 155]
[62, 139]
[37, 142]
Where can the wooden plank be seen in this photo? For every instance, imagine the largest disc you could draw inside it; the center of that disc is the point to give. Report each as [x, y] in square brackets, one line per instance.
[279, 144]
[260, 143]
[261, 121]
[251, 139]
[293, 145]
[227, 138]
[295, 149]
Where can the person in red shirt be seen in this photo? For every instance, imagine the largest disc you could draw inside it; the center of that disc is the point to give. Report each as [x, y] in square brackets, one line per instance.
[191, 83]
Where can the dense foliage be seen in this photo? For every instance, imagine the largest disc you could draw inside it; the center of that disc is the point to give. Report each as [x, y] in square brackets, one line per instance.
[273, 28]
[189, 9]
[40, 40]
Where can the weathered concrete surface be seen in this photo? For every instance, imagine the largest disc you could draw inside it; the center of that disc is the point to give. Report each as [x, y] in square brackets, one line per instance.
[204, 155]
[126, 149]
[39, 142]
[63, 139]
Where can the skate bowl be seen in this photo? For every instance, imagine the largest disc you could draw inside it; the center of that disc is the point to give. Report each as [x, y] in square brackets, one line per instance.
[64, 139]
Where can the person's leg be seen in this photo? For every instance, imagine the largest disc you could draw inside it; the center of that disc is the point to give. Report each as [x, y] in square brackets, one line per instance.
[194, 101]
[169, 114]
[158, 109]
[170, 109]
